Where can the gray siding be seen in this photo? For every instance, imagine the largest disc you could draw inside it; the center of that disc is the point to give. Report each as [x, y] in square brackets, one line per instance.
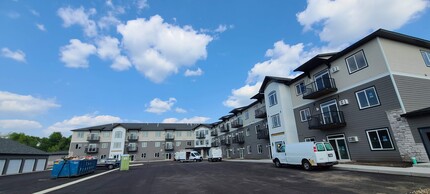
[358, 121]
[418, 122]
[413, 91]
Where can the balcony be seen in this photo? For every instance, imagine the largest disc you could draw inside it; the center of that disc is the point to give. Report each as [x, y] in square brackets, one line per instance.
[239, 138]
[261, 113]
[319, 88]
[200, 135]
[93, 138]
[327, 120]
[263, 132]
[170, 136]
[91, 150]
[227, 141]
[215, 144]
[214, 133]
[132, 148]
[224, 128]
[169, 147]
[133, 138]
[237, 123]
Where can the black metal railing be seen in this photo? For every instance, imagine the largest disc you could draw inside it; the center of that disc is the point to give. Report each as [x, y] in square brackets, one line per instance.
[262, 132]
[168, 147]
[214, 133]
[93, 138]
[169, 136]
[224, 128]
[320, 87]
[327, 120]
[133, 138]
[237, 123]
[91, 150]
[215, 143]
[200, 135]
[132, 148]
[261, 112]
[239, 138]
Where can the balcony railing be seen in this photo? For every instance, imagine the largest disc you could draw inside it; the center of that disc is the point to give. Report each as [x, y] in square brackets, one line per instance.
[262, 132]
[237, 123]
[200, 135]
[132, 148]
[261, 112]
[327, 120]
[239, 138]
[319, 88]
[214, 133]
[133, 138]
[224, 128]
[227, 141]
[170, 136]
[169, 147]
[91, 150]
[93, 138]
[215, 144]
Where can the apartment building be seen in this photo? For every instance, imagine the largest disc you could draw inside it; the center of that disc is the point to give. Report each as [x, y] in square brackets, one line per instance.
[202, 142]
[370, 100]
[142, 141]
[243, 134]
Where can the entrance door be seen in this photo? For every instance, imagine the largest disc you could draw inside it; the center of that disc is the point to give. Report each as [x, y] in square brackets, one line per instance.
[329, 112]
[322, 80]
[227, 151]
[241, 153]
[425, 136]
[168, 156]
[339, 145]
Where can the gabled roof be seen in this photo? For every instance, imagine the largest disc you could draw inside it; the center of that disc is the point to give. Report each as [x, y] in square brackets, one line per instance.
[268, 79]
[10, 147]
[203, 125]
[142, 126]
[417, 113]
[226, 117]
[315, 62]
[238, 110]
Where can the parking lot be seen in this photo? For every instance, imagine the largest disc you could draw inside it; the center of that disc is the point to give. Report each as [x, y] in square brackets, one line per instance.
[221, 177]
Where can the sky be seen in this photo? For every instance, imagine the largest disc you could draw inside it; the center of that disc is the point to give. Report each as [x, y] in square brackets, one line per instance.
[71, 64]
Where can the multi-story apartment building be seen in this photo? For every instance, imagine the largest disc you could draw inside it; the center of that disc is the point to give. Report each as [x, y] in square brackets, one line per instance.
[142, 141]
[370, 100]
[202, 141]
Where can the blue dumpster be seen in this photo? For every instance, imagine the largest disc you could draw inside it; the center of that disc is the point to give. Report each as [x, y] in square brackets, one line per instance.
[73, 168]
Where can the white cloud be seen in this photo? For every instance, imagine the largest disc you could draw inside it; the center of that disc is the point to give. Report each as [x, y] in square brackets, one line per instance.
[11, 103]
[180, 110]
[34, 12]
[41, 27]
[142, 4]
[221, 28]
[80, 17]
[17, 55]
[195, 119]
[107, 48]
[121, 63]
[106, 21]
[76, 122]
[16, 125]
[76, 53]
[159, 106]
[13, 15]
[344, 21]
[241, 97]
[158, 49]
[197, 72]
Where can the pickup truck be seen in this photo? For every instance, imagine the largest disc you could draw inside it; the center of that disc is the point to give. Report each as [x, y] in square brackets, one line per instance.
[110, 163]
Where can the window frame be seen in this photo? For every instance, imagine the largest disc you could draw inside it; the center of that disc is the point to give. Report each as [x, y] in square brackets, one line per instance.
[353, 55]
[301, 89]
[309, 139]
[278, 121]
[309, 114]
[272, 95]
[367, 98]
[379, 139]
[258, 149]
[144, 144]
[249, 149]
[426, 55]
[157, 144]
[80, 134]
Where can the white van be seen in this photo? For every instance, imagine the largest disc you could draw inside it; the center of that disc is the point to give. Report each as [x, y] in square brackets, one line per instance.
[307, 154]
[186, 156]
[215, 154]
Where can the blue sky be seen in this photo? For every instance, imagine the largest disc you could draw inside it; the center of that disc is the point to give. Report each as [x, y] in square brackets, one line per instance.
[72, 64]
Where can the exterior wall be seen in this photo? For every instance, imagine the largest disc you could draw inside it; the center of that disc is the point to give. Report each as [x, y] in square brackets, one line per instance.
[5, 160]
[414, 91]
[358, 121]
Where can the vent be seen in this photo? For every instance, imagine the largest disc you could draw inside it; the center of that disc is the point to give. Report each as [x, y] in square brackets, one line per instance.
[334, 69]
[343, 102]
[353, 139]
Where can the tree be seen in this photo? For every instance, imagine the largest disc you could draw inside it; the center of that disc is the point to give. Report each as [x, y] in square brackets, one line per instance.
[54, 143]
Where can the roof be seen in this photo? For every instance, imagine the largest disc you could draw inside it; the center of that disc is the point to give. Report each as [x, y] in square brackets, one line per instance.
[315, 62]
[268, 79]
[417, 113]
[238, 110]
[226, 117]
[142, 126]
[10, 147]
[203, 125]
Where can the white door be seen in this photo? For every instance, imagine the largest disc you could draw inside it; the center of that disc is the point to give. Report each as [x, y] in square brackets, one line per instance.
[28, 165]
[241, 153]
[278, 148]
[13, 167]
[40, 164]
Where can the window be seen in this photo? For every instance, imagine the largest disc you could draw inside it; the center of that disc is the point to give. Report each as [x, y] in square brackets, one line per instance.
[80, 134]
[157, 144]
[309, 139]
[367, 98]
[106, 134]
[189, 133]
[272, 98]
[256, 129]
[143, 155]
[356, 62]
[145, 133]
[206, 132]
[78, 146]
[300, 88]
[426, 57]
[280, 146]
[249, 149]
[178, 133]
[178, 143]
[207, 142]
[305, 114]
[118, 134]
[117, 145]
[144, 144]
[104, 145]
[156, 155]
[247, 132]
[158, 134]
[260, 149]
[197, 143]
[276, 121]
[379, 139]
[246, 115]
[188, 143]
[103, 156]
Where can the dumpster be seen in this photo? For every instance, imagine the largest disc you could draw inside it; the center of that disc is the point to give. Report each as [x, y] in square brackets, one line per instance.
[73, 168]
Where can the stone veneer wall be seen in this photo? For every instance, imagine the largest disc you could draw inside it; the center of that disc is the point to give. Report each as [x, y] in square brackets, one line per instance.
[404, 139]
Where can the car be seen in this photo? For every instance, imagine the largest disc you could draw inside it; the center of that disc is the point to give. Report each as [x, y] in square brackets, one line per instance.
[111, 163]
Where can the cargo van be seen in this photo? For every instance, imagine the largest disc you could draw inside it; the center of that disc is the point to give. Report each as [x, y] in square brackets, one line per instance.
[306, 154]
[215, 154]
[187, 156]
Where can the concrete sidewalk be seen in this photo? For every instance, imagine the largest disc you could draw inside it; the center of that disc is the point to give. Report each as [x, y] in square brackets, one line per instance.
[410, 171]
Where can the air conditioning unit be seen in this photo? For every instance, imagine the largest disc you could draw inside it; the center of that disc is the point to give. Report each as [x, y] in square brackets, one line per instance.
[343, 102]
[353, 139]
[334, 69]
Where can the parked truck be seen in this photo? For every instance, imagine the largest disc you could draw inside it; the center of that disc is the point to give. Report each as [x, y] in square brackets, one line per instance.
[307, 154]
[188, 156]
[215, 154]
